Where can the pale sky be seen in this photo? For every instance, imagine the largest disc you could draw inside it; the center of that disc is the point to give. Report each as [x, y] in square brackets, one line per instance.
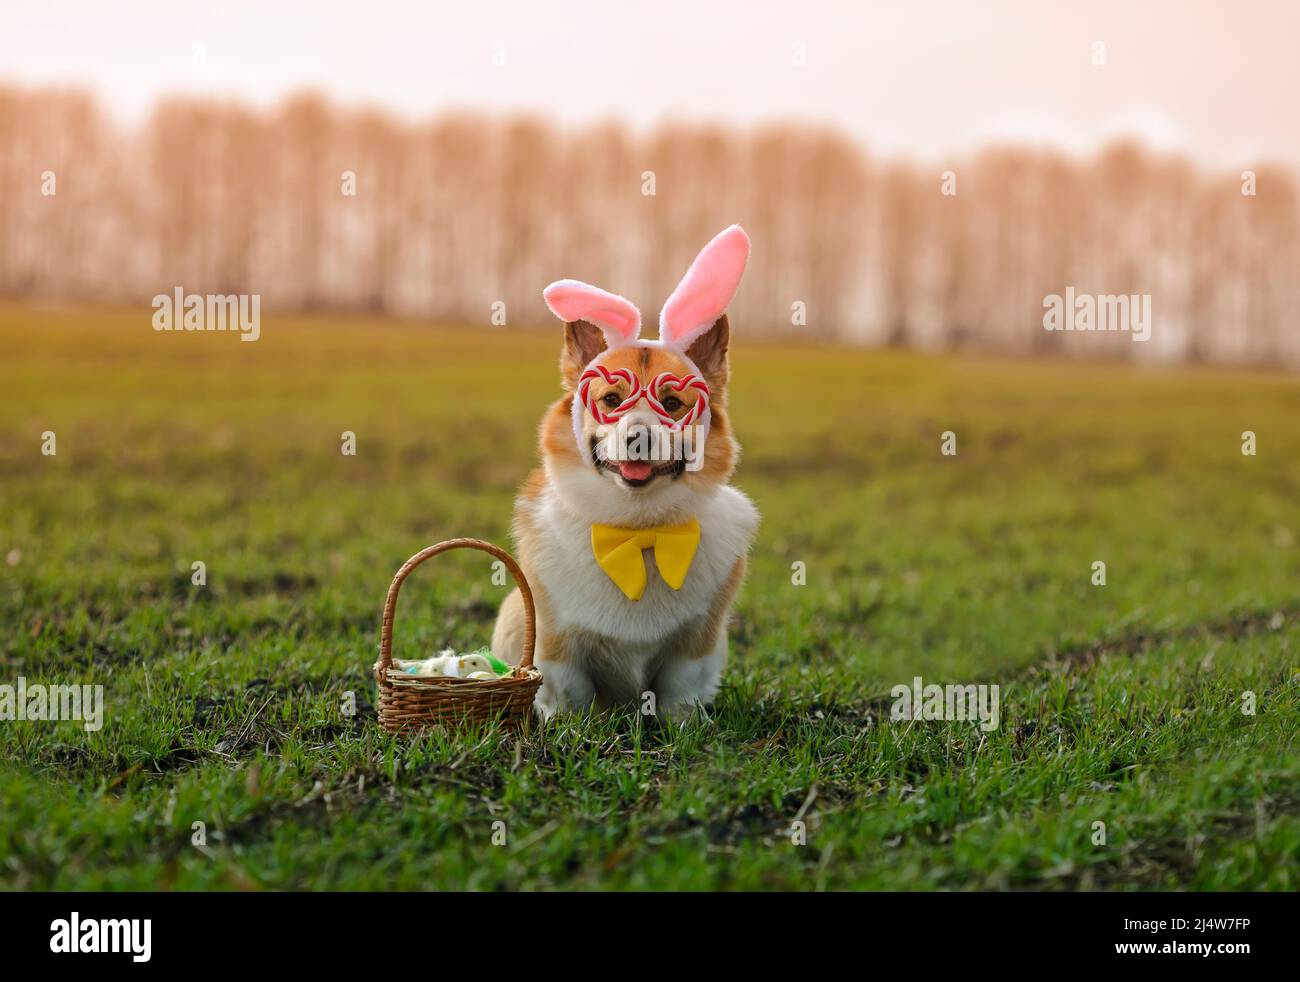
[924, 78]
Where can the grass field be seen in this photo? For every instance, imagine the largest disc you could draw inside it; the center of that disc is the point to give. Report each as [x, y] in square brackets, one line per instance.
[1121, 703]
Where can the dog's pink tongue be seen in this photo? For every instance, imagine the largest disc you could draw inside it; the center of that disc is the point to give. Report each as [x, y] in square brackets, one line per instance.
[635, 470]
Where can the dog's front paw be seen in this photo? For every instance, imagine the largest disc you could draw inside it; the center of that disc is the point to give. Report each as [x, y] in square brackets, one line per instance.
[682, 712]
[564, 689]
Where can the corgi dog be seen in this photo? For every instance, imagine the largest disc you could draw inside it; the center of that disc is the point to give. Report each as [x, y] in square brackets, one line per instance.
[632, 540]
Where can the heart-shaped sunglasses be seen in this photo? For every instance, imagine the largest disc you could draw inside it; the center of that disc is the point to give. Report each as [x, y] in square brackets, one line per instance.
[636, 392]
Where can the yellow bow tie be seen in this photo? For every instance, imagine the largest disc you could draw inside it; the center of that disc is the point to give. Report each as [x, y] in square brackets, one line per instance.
[618, 551]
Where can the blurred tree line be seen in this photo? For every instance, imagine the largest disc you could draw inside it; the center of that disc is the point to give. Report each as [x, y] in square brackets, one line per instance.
[452, 216]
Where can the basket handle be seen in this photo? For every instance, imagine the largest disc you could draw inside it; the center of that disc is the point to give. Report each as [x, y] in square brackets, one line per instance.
[390, 605]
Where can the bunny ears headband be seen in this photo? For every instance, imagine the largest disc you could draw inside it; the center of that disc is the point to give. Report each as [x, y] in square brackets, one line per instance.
[699, 300]
[695, 306]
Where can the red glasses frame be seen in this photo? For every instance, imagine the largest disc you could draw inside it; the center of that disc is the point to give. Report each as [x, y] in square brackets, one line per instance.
[637, 392]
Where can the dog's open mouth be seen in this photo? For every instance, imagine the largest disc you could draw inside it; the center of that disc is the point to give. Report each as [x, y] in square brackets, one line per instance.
[637, 473]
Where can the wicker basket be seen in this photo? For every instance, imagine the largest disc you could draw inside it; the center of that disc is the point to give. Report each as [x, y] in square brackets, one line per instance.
[408, 702]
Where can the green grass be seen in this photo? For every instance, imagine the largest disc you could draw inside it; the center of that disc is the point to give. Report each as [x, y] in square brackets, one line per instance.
[1120, 704]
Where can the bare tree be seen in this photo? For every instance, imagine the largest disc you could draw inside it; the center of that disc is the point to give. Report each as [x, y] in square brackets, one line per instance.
[323, 208]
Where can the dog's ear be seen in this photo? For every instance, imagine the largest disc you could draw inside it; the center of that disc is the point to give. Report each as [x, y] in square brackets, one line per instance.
[594, 320]
[706, 289]
[709, 352]
[582, 342]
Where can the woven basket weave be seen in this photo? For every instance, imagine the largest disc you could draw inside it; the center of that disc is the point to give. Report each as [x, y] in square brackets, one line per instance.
[410, 702]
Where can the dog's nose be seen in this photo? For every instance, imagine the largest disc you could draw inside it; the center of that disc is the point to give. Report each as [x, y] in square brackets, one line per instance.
[636, 442]
[637, 432]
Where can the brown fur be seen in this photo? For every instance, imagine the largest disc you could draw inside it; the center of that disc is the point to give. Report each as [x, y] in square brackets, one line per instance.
[582, 343]
[698, 640]
[709, 352]
[694, 640]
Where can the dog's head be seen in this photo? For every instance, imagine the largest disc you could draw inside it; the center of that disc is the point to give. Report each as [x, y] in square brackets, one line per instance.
[645, 422]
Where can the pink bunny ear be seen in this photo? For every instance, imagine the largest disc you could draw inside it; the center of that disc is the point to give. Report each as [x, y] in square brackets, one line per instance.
[706, 289]
[571, 300]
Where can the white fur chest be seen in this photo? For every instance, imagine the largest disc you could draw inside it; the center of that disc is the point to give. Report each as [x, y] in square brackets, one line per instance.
[581, 596]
